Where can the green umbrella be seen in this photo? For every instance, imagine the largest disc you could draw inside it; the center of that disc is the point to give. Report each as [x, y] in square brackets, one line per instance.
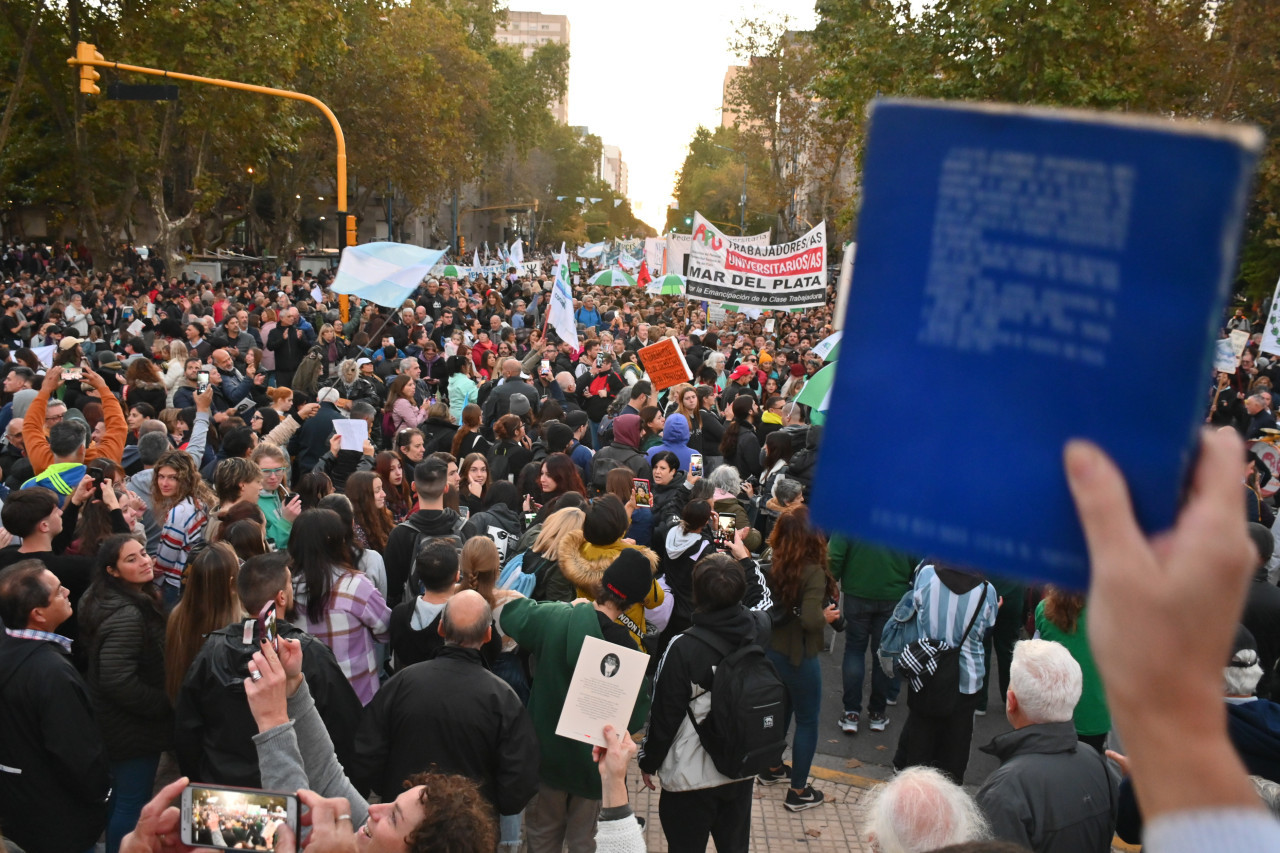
[452, 271]
[667, 285]
[612, 278]
[816, 393]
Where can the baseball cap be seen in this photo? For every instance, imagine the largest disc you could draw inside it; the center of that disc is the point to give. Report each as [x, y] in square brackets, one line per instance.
[576, 419]
[740, 371]
[362, 361]
[68, 342]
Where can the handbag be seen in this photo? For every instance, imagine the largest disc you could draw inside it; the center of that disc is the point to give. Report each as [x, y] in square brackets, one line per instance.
[932, 669]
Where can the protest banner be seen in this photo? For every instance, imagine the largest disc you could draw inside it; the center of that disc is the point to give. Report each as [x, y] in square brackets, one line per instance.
[1224, 356]
[655, 251]
[774, 277]
[1271, 332]
[665, 364]
[677, 246]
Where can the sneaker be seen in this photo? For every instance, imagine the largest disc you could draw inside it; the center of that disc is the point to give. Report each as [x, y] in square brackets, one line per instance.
[891, 701]
[849, 723]
[806, 799]
[775, 775]
[879, 722]
[981, 712]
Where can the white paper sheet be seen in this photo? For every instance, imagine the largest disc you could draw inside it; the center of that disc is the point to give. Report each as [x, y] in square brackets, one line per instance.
[354, 432]
[602, 692]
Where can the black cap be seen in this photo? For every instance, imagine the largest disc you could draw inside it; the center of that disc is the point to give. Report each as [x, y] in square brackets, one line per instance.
[576, 419]
[629, 576]
[558, 436]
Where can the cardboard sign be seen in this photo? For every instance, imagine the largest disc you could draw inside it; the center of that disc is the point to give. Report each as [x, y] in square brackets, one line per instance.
[665, 364]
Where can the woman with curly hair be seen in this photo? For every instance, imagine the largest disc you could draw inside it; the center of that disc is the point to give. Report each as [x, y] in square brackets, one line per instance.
[391, 473]
[181, 505]
[801, 587]
[372, 520]
[143, 383]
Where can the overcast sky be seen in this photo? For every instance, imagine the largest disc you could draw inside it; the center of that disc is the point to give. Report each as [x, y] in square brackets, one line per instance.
[644, 75]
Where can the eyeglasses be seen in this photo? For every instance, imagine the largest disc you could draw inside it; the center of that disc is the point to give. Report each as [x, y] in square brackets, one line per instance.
[274, 470]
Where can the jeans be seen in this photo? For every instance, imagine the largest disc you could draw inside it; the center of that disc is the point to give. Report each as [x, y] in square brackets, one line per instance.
[132, 781]
[866, 619]
[509, 831]
[170, 595]
[593, 430]
[804, 688]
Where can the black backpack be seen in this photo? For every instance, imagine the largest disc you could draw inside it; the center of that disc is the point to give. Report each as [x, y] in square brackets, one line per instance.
[500, 462]
[600, 468]
[745, 730]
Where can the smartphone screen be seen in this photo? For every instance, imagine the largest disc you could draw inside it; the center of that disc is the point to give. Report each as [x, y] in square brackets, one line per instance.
[202, 382]
[695, 465]
[726, 524]
[72, 374]
[644, 496]
[225, 818]
[464, 512]
[546, 366]
[267, 625]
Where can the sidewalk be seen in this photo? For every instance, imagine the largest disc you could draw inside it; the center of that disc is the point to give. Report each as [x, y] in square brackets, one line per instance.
[830, 828]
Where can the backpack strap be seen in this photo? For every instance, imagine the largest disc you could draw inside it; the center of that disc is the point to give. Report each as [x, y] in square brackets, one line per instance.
[974, 617]
[711, 639]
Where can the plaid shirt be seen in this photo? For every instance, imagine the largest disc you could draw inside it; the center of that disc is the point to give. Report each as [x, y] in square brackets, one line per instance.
[357, 617]
[44, 636]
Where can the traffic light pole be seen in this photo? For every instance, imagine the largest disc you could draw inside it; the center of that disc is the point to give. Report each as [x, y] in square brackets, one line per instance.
[87, 57]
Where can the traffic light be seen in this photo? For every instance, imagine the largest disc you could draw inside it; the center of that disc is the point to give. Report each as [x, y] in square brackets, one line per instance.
[89, 75]
[688, 221]
[462, 245]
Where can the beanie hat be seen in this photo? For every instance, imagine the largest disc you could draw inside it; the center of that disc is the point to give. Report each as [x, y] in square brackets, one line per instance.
[558, 437]
[519, 405]
[576, 419]
[605, 521]
[629, 576]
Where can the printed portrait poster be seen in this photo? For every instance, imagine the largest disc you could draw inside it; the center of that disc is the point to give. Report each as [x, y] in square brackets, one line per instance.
[603, 691]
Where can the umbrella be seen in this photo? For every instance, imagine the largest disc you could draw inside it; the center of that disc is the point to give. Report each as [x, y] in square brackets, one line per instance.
[828, 349]
[453, 271]
[613, 278]
[817, 391]
[667, 285]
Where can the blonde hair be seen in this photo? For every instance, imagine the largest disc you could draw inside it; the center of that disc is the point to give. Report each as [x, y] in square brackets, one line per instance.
[556, 527]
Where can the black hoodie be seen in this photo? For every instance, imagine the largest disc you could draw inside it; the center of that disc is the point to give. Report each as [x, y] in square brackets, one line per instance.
[409, 535]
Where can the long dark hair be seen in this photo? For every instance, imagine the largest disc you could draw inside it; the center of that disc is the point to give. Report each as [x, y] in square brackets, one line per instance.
[103, 585]
[796, 546]
[375, 522]
[777, 448]
[316, 546]
[564, 474]
[398, 497]
[741, 407]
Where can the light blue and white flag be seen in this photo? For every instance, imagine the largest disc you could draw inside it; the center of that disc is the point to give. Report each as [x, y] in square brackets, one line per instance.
[384, 273]
[627, 262]
[560, 313]
[592, 250]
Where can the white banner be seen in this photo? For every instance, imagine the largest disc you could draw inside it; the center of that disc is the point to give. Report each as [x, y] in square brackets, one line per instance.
[1271, 333]
[654, 250]
[678, 248]
[773, 277]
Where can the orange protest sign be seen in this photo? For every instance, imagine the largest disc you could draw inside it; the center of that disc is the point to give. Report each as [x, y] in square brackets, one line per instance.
[665, 364]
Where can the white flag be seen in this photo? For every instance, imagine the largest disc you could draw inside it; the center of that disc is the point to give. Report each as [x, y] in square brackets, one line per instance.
[516, 255]
[560, 315]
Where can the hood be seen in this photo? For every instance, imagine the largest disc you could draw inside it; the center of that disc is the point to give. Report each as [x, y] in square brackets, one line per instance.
[502, 515]
[957, 581]
[735, 624]
[720, 495]
[626, 430]
[1039, 739]
[798, 433]
[434, 522]
[583, 564]
[676, 431]
[13, 654]
[813, 437]
[424, 613]
[148, 386]
[678, 542]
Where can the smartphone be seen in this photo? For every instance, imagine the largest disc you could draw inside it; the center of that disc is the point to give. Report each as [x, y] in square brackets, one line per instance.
[97, 475]
[72, 373]
[599, 360]
[267, 625]
[128, 313]
[546, 366]
[644, 495]
[226, 818]
[202, 382]
[695, 464]
[726, 524]
[464, 512]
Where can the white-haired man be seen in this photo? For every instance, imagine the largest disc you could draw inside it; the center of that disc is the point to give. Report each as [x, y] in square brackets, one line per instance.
[1051, 793]
[920, 809]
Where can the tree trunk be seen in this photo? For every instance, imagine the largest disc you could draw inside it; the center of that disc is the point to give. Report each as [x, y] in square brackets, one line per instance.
[16, 92]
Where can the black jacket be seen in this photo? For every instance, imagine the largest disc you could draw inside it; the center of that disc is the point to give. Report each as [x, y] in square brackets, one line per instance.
[686, 662]
[1262, 618]
[499, 402]
[438, 435]
[500, 523]
[311, 441]
[1051, 793]
[290, 345]
[747, 457]
[125, 650]
[214, 734]
[399, 553]
[452, 715]
[804, 462]
[58, 802]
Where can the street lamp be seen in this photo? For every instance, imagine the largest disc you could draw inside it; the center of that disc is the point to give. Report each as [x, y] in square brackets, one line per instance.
[742, 202]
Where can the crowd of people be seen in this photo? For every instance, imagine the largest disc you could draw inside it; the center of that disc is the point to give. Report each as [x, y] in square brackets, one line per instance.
[174, 481]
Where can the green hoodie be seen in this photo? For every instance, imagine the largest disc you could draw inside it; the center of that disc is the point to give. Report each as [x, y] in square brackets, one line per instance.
[552, 632]
[869, 571]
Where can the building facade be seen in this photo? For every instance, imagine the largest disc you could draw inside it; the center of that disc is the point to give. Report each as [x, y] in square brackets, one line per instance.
[528, 31]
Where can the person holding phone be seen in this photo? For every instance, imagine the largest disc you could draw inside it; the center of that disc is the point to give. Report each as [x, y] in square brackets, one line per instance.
[122, 624]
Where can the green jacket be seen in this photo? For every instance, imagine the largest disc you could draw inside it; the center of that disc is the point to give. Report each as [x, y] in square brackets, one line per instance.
[1092, 716]
[869, 571]
[278, 529]
[552, 632]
